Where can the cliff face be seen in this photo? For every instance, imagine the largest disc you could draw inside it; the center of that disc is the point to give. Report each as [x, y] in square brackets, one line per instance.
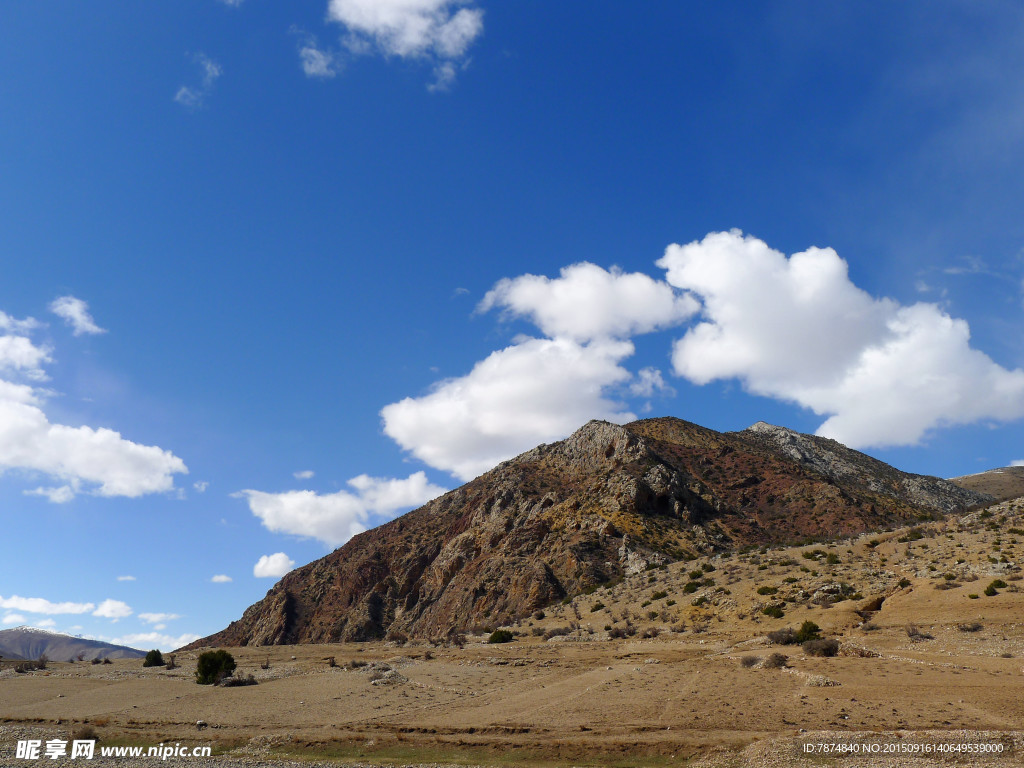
[606, 501]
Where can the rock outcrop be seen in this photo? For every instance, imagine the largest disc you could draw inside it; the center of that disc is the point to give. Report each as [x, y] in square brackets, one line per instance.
[559, 518]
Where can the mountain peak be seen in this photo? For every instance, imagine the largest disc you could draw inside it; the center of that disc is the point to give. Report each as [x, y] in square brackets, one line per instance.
[565, 516]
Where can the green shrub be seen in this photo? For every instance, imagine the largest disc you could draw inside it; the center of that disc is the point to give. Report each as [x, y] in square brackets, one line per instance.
[214, 666]
[990, 591]
[808, 631]
[774, 611]
[153, 659]
[767, 590]
[501, 636]
[596, 607]
[658, 595]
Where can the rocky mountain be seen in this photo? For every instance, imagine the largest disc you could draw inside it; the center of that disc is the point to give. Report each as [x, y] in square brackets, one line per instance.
[607, 501]
[31, 643]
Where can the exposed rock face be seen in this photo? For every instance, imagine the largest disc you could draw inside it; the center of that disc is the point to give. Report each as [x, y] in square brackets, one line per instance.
[607, 500]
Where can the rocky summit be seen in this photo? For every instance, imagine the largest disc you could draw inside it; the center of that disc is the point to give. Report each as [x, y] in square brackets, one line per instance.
[608, 501]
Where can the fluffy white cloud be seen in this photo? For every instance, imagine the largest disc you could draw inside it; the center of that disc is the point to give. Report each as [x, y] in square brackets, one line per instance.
[112, 609]
[535, 391]
[588, 302]
[46, 624]
[75, 313]
[650, 382]
[201, 486]
[317, 62]
[19, 355]
[440, 31]
[334, 518]
[99, 458]
[158, 618]
[798, 329]
[194, 96]
[126, 578]
[304, 474]
[145, 641]
[221, 578]
[273, 566]
[117, 467]
[13, 619]
[20, 327]
[39, 605]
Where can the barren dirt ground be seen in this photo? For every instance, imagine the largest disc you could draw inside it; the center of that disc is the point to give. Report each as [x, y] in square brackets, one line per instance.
[939, 663]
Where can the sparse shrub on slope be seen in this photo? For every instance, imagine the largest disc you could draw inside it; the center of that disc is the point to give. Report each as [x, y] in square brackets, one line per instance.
[501, 636]
[153, 659]
[808, 631]
[829, 647]
[214, 666]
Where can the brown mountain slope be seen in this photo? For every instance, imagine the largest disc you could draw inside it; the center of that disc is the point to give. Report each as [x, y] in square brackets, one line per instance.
[1005, 483]
[560, 518]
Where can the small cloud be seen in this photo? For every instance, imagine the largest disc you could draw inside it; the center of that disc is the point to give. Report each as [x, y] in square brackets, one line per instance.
[149, 640]
[193, 97]
[40, 605]
[317, 62]
[648, 382]
[112, 609]
[46, 624]
[304, 474]
[201, 486]
[158, 618]
[75, 313]
[126, 578]
[273, 566]
[221, 578]
[13, 619]
[8, 323]
[60, 495]
[460, 291]
[1017, 463]
[232, 3]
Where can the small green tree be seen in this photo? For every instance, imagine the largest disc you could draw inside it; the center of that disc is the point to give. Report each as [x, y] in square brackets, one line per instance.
[153, 659]
[214, 666]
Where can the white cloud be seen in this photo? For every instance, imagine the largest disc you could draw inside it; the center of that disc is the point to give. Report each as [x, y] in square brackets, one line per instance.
[20, 327]
[158, 618]
[532, 392]
[18, 355]
[798, 329]
[194, 96]
[45, 624]
[1017, 463]
[232, 3]
[59, 495]
[201, 486]
[149, 640]
[75, 456]
[317, 62]
[13, 619]
[75, 313]
[334, 518]
[273, 566]
[112, 609]
[650, 382]
[304, 474]
[588, 302]
[40, 605]
[221, 578]
[439, 31]
[126, 578]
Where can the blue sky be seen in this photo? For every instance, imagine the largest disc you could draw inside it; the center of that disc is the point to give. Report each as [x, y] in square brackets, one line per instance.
[274, 273]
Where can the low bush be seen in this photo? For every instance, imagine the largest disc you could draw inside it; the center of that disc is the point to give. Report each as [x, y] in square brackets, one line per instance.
[767, 590]
[596, 607]
[501, 636]
[749, 661]
[233, 682]
[556, 632]
[808, 631]
[776, 661]
[784, 636]
[774, 611]
[153, 659]
[822, 647]
[973, 626]
[658, 595]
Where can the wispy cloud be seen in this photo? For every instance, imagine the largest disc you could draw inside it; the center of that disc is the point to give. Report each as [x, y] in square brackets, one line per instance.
[75, 313]
[193, 97]
[221, 578]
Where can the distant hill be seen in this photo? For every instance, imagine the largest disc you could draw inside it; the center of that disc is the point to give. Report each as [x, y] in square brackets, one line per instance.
[1004, 483]
[607, 501]
[31, 643]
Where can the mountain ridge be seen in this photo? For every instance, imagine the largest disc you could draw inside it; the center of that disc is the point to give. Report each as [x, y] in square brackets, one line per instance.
[566, 516]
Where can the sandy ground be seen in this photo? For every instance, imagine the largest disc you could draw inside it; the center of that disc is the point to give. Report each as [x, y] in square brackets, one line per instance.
[684, 697]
